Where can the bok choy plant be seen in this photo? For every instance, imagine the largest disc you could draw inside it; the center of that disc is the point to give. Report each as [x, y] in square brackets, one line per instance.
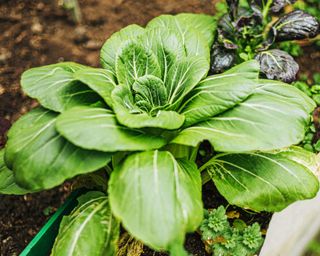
[140, 119]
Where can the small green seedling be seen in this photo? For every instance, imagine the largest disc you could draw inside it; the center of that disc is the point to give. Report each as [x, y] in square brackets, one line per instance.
[229, 240]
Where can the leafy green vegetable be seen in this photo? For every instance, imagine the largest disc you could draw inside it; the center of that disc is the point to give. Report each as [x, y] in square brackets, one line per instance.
[41, 158]
[186, 24]
[137, 116]
[265, 181]
[228, 132]
[134, 61]
[219, 93]
[158, 187]
[55, 87]
[7, 181]
[111, 46]
[78, 123]
[101, 81]
[90, 228]
[138, 123]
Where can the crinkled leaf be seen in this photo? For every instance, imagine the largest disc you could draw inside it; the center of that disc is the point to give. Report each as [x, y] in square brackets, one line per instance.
[278, 65]
[110, 48]
[149, 93]
[129, 114]
[183, 77]
[89, 230]
[166, 206]
[97, 128]
[7, 181]
[41, 158]
[55, 87]
[135, 60]
[273, 117]
[264, 181]
[296, 25]
[102, 81]
[166, 45]
[221, 59]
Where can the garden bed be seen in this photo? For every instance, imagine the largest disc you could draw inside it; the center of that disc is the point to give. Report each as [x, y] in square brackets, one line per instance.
[41, 32]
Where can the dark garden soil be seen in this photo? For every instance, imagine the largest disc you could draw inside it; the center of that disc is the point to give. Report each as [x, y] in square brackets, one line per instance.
[34, 33]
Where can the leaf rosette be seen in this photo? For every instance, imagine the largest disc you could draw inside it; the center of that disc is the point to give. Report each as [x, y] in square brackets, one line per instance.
[140, 113]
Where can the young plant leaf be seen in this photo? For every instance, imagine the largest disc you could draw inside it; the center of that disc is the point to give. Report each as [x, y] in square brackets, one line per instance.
[101, 81]
[79, 124]
[133, 61]
[157, 198]
[193, 41]
[183, 77]
[264, 181]
[205, 24]
[130, 114]
[296, 25]
[7, 182]
[166, 45]
[41, 158]
[112, 45]
[55, 87]
[150, 93]
[250, 125]
[89, 230]
[278, 65]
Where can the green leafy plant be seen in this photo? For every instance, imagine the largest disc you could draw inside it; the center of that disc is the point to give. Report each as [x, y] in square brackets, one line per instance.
[226, 240]
[140, 119]
[310, 141]
[247, 31]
